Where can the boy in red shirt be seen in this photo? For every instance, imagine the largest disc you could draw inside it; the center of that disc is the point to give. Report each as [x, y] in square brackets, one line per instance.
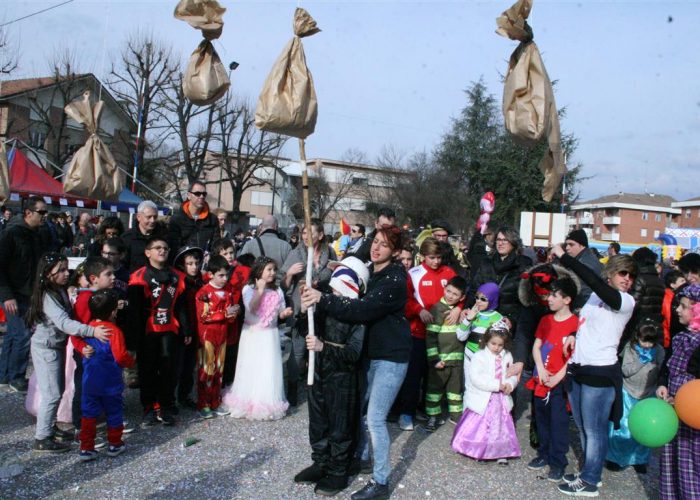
[426, 286]
[215, 313]
[550, 368]
[102, 378]
[100, 275]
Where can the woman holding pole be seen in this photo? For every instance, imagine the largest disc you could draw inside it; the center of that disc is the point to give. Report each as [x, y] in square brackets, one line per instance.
[388, 346]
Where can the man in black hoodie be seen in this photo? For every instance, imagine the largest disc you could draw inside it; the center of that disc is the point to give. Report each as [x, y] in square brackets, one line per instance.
[20, 250]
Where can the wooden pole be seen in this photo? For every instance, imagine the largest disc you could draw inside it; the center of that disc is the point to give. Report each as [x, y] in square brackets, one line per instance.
[309, 253]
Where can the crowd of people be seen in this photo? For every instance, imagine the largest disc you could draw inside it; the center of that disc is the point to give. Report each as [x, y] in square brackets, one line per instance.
[406, 329]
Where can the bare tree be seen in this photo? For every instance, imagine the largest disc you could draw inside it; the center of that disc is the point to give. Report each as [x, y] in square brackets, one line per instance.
[328, 195]
[247, 156]
[9, 59]
[139, 79]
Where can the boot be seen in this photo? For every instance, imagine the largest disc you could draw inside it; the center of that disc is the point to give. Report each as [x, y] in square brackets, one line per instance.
[311, 475]
[331, 485]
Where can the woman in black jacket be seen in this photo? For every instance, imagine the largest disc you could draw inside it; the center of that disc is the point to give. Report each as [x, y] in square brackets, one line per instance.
[388, 342]
[648, 292]
[504, 267]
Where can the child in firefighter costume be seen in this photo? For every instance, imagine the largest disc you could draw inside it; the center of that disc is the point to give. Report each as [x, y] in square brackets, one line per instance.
[334, 397]
[216, 312]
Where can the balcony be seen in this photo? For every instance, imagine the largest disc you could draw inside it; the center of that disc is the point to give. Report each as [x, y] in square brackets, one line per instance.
[610, 237]
[611, 221]
[570, 221]
[585, 219]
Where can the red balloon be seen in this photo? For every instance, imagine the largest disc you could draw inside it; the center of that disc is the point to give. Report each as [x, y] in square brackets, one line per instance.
[687, 404]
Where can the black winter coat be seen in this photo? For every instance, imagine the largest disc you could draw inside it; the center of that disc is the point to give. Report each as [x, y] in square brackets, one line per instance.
[185, 231]
[381, 309]
[135, 242]
[343, 342]
[21, 248]
[648, 291]
[506, 274]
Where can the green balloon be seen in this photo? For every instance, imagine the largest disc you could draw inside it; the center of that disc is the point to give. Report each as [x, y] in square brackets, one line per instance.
[653, 422]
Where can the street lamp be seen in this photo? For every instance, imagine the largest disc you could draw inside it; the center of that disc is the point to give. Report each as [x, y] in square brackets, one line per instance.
[233, 65]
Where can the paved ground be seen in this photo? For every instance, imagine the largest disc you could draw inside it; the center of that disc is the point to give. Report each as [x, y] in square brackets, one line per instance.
[241, 459]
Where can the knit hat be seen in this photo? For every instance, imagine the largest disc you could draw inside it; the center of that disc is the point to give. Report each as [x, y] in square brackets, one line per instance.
[579, 236]
[691, 292]
[491, 292]
[350, 277]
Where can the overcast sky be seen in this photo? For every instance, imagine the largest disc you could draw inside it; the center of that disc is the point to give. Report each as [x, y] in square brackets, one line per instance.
[393, 72]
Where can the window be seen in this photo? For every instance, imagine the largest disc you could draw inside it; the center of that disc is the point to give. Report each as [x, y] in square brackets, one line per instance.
[645, 215]
[597, 230]
[656, 233]
[657, 217]
[359, 181]
[262, 198]
[643, 233]
[687, 213]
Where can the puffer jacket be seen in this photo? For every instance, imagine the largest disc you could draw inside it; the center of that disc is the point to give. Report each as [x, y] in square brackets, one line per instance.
[648, 291]
[184, 230]
[506, 274]
[20, 250]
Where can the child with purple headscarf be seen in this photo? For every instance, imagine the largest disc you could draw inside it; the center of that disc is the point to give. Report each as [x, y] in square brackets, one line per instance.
[476, 321]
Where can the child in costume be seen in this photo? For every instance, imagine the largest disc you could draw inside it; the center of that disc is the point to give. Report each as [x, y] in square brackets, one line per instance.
[445, 358]
[189, 261]
[215, 312]
[486, 430]
[257, 392]
[50, 317]
[642, 359]
[680, 459]
[426, 286]
[550, 370]
[102, 378]
[334, 397]
[157, 316]
[476, 320]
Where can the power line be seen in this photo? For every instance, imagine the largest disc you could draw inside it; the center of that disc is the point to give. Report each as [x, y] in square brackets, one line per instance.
[35, 13]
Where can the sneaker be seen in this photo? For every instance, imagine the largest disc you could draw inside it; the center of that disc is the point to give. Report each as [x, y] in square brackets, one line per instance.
[431, 425]
[48, 445]
[100, 442]
[640, 468]
[115, 450]
[149, 419]
[88, 455]
[222, 411]
[555, 475]
[579, 488]
[329, 486]
[311, 475]
[537, 463]
[62, 435]
[372, 490]
[570, 478]
[406, 422]
[206, 413]
[20, 385]
[166, 417]
[128, 428]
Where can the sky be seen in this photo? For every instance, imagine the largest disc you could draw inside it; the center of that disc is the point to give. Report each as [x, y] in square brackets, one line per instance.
[393, 73]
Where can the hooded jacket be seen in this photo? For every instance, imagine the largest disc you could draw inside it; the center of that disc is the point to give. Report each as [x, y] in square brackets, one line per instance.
[20, 250]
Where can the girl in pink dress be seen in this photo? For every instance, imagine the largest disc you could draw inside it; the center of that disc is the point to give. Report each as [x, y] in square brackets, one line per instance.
[257, 392]
[486, 430]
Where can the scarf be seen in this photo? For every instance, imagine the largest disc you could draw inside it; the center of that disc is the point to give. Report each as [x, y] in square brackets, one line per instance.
[163, 286]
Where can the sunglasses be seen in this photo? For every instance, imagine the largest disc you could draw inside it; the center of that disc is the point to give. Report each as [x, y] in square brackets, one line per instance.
[199, 194]
[624, 274]
[40, 212]
[482, 298]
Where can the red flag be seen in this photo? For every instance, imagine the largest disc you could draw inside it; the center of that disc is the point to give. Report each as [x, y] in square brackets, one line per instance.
[344, 227]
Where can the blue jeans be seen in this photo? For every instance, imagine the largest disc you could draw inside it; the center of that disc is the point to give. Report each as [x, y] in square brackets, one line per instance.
[14, 356]
[384, 380]
[591, 407]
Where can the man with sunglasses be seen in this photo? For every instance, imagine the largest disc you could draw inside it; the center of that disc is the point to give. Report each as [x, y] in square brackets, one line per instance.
[20, 250]
[193, 224]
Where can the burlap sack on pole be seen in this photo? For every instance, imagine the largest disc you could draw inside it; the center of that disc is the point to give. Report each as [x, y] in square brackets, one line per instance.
[92, 172]
[529, 108]
[205, 79]
[4, 175]
[287, 104]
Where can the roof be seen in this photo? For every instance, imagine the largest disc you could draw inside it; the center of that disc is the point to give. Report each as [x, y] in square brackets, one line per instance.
[692, 202]
[15, 88]
[647, 201]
